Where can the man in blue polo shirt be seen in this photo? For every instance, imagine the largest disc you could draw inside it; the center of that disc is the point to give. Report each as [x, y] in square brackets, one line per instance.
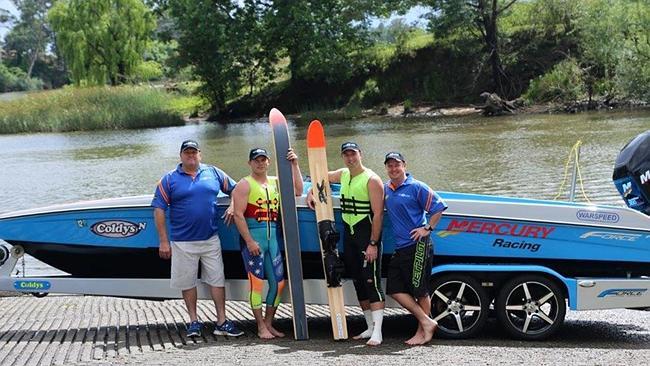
[189, 194]
[407, 202]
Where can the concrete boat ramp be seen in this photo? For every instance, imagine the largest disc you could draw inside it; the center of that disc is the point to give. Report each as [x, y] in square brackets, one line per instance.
[63, 330]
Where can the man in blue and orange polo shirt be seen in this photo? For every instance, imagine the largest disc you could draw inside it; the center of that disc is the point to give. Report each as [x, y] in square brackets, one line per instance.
[407, 201]
[189, 194]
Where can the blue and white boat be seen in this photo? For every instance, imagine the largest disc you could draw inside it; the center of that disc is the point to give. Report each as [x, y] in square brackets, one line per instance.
[523, 257]
[117, 238]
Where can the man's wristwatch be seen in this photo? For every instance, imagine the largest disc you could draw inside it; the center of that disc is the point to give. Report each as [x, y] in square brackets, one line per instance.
[373, 243]
[428, 227]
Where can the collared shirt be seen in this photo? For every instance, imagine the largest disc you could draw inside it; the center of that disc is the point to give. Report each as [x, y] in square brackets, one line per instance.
[192, 201]
[407, 206]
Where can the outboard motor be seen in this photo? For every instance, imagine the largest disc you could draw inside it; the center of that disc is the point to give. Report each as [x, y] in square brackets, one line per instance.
[632, 173]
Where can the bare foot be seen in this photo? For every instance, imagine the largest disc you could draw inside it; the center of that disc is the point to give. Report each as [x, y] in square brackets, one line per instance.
[274, 331]
[364, 335]
[264, 333]
[416, 340]
[417, 337]
[429, 329]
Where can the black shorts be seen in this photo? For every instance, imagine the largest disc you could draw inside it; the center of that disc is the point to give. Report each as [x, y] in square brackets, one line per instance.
[409, 270]
[365, 276]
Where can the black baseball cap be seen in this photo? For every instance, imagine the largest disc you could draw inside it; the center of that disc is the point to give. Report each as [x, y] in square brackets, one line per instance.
[190, 144]
[257, 152]
[349, 146]
[394, 155]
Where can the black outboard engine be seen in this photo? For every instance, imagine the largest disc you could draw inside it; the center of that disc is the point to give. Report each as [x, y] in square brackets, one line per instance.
[632, 173]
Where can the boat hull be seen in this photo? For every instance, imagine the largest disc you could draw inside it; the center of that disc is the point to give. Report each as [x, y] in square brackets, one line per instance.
[118, 239]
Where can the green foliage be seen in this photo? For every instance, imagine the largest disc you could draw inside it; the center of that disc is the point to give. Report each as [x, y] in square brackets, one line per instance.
[148, 71]
[633, 76]
[84, 109]
[102, 41]
[564, 83]
[368, 95]
[191, 106]
[408, 106]
[325, 40]
[15, 79]
[27, 40]
[633, 66]
[207, 41]
[165, 54]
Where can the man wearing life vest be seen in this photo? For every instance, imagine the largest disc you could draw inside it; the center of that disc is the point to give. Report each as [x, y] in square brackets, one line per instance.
[362, 207]
[256, 201]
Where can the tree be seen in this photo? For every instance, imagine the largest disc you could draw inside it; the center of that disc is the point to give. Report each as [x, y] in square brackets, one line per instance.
[29, 37]
[323, 39]
[207, 41]
[483, 16]
[255, 56]
[101, 40]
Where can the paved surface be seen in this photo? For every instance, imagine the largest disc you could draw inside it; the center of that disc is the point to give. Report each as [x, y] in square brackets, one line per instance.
[59, 330]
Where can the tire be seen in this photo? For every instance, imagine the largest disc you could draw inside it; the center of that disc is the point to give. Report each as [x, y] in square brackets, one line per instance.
[530, 307]
[460, 305]
[4, 254]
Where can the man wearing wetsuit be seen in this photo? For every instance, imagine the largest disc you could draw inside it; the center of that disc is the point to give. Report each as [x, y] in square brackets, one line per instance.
[407, 200]
[362, 207]
[256, 202]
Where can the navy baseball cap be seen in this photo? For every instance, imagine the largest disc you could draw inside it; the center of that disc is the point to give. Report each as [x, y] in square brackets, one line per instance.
[190, 144]
[257, 152]
[394, 155]
[349, 146]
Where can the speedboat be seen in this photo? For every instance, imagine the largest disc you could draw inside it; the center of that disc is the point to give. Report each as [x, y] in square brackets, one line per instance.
[523, 258]
[117, 238]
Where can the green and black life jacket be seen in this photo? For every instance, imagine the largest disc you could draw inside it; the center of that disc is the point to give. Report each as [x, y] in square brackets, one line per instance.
[355, 198]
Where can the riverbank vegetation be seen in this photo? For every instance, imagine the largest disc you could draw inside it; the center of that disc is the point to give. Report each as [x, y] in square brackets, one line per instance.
[98, 108]
[347, 55]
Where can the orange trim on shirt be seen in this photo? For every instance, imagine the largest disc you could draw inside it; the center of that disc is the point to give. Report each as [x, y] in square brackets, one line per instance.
[225, 184]
[429, 200]
[162, 191]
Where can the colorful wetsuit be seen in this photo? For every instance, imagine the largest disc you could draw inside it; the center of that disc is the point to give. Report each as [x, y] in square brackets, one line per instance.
[261, 216]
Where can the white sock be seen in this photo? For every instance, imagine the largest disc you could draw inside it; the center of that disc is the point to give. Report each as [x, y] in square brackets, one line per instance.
[369, 322]
[378, 320]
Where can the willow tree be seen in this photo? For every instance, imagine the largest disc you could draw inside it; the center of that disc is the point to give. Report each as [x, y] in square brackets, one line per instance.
[101, 40]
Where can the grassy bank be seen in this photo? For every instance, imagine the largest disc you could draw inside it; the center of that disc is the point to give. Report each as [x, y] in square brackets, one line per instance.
[85, 109]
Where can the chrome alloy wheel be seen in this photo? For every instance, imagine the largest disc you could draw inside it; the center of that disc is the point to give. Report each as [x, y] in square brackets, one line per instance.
[459, 305]
[531, 307]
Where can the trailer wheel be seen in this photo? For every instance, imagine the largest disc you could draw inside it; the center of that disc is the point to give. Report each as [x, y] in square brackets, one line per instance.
[530, 307]
[39, 294]
[460, 305]
[4, 254]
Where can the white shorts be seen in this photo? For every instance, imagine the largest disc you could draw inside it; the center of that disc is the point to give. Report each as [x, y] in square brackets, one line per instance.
[186, 256]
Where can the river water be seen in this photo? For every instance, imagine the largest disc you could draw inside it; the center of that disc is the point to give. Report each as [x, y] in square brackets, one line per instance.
[521, 156]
